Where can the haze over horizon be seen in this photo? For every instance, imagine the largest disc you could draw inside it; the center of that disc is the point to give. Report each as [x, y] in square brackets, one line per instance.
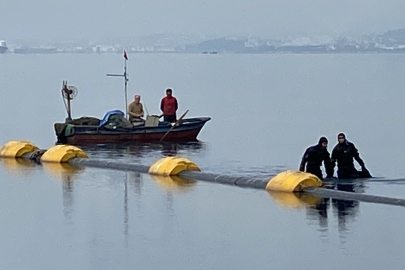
[94, 19]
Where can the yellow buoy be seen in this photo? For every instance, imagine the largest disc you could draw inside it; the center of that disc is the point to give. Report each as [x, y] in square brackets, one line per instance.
[172, 166]
[292, 181]
[15, 149]
[62, 153]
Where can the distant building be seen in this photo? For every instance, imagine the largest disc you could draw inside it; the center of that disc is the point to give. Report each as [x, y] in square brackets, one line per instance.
[3, 46]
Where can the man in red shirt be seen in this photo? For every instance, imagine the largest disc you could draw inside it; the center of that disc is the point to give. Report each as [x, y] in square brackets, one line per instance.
[169, 106]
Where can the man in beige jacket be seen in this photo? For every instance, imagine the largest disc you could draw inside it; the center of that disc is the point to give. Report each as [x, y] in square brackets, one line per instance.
[135, 110]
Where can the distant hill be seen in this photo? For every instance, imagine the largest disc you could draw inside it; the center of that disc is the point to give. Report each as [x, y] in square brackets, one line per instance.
[217, 45]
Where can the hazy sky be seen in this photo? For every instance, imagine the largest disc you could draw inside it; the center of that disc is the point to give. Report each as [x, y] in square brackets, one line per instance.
[92, 19]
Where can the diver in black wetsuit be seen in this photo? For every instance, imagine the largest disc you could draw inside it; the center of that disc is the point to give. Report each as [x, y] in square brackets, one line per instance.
[313, 157]
[344, 153]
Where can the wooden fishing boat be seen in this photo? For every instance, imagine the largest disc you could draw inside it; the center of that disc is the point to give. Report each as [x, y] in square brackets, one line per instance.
[115, 128]
[185, 130]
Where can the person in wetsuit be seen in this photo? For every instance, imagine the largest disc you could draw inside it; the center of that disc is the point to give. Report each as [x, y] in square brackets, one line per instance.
[313, 158]
[344, 153]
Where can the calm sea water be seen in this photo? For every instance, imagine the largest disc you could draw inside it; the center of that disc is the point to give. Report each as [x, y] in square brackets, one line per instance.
[265, 109]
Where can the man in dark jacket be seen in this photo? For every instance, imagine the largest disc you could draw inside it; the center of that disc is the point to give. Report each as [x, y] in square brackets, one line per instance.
[313, 158]
[344, 153]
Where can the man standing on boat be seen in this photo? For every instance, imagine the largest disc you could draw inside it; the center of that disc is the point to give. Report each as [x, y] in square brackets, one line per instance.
[313, 157]
[169, 106]
[343, 153]
[135, 110]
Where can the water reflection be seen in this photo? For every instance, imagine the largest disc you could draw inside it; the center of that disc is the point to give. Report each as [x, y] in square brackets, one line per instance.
[173, 183]
[319, 210]
[63, 171]
[17, 166]
[67, 174]
[344, 210]
[134, 179]
[141, 150]
[126, 216]
[294, 200]
[169, 149]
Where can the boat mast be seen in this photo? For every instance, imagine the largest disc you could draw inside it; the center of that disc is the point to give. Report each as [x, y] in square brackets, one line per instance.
[68, 103]
[125, 76]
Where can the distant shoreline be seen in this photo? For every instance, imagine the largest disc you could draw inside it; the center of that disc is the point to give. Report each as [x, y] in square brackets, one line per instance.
[229, 52]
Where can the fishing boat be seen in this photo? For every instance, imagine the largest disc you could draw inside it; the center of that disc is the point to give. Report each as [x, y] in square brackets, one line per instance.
[89, 130]
[114, 127]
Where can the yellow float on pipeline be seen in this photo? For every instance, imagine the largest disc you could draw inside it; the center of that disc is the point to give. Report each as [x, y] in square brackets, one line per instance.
[62, 153]
[293, 181]
[172, 166]
[16, 149]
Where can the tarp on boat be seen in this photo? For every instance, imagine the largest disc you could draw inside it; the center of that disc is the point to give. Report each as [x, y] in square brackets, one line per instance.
[85, 121]
[115, 119]
[66, 129]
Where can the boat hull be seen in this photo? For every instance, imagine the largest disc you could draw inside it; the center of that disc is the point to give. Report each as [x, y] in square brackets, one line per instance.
[186, 132]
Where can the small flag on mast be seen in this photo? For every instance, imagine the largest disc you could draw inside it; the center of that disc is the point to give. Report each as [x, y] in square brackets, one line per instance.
[125, 55]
